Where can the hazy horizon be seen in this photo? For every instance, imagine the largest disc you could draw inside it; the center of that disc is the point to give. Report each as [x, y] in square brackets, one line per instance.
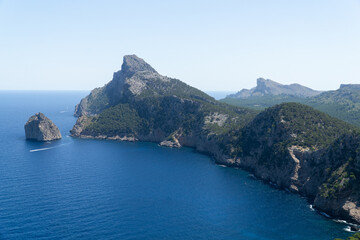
[78, 45]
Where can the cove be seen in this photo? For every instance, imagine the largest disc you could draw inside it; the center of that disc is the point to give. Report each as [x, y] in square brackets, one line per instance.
[94, 189]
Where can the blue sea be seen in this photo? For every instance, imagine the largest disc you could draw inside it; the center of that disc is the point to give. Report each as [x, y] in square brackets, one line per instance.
[99, 189]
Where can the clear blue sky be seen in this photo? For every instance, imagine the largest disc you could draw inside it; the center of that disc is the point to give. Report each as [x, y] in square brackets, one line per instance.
[211, 45]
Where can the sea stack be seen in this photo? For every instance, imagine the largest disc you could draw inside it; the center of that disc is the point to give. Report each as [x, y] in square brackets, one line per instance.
[41, 128]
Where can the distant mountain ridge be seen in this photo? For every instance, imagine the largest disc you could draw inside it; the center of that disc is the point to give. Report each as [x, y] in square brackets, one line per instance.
[343, 103]
[270, 87]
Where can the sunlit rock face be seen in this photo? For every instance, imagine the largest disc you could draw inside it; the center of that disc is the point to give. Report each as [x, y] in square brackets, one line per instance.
[41, 128]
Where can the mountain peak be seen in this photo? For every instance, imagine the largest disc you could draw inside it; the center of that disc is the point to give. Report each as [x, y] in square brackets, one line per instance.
[132, 64]
[136, 79]
[263, 80]
[266, 83]
[260, 81]
[40, 115]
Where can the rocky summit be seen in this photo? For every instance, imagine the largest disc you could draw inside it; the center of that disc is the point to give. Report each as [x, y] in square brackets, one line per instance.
[41, 128]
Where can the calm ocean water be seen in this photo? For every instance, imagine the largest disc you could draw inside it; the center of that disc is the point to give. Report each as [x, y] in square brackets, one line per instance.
[93, 189]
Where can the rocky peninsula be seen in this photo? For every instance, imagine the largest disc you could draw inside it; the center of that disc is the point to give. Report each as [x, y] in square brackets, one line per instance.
[291, 145]
[40, 128]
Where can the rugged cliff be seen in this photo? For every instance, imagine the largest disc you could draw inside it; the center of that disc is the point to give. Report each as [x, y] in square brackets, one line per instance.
[280, 142]
[41, 128]
[339, 194]
[140, 104]
[290, 144]
[306, 151]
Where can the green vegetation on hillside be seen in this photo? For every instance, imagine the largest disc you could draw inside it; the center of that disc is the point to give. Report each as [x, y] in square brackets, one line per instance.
[343, 103]
[97, 100]
[262, 102]
[117, 120]
[277, 128]
[166, 115]
[173, 87]
[140, 102]
[344, 166]
[301, 125]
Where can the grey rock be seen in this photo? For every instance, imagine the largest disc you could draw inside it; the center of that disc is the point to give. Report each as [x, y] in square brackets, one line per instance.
[269, 87]
[136, 77]
[133, 64]
[41, 128]
[170, 144]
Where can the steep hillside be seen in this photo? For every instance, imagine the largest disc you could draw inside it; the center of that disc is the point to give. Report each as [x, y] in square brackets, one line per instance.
[136, 79]
[261, 102]
[140, 104]
[273, 139]
[343, 103]
[339, 193]
[306, 151]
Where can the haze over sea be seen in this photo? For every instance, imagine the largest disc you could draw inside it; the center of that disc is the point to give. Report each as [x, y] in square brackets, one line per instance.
[94, 189]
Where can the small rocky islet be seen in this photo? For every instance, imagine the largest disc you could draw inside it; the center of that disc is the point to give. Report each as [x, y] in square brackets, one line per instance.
[42, 129]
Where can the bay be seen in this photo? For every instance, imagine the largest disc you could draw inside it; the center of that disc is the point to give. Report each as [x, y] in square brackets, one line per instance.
[98, 189]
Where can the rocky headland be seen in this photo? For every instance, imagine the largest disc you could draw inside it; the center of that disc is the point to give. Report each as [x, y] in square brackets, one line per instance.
[292, 145]
[41, 128]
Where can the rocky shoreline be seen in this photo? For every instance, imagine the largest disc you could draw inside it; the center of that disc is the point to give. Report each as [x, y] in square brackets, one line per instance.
[353, 225]
[104, 137]
[290, 145]
[220, 159]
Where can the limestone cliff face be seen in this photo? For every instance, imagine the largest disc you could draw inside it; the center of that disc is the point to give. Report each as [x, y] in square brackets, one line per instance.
[41, 128]
[329, 177]
[135, 79]
[171, 121]
[290, 144]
